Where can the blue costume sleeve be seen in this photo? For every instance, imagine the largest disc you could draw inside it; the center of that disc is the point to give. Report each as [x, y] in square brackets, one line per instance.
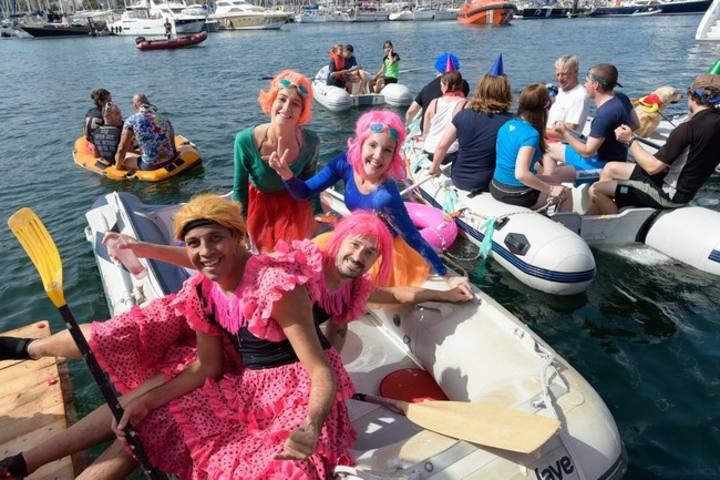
[389, 203]
[326, 178]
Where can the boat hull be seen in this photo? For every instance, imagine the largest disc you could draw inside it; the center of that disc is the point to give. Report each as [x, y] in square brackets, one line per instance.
[476, 351]
[252, 22]
[544, 13]
[634, 11]
[179, 42]
[188, 157]
[539, 252]
[486, 14]
[56, 31]
[338, 99]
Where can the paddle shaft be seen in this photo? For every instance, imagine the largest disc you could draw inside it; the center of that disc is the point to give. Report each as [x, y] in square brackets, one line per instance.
[108, 392]
[384, 401]
[426, 179]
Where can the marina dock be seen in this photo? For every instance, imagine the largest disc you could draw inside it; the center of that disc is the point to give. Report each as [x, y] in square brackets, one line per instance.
[36, 402]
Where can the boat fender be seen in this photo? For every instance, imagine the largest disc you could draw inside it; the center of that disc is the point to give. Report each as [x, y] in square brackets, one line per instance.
[435, 227]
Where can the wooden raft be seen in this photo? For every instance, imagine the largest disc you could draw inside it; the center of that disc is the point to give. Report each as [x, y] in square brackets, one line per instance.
[35, 403]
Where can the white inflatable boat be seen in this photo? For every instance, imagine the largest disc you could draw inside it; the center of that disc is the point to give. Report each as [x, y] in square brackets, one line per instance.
[338, 99]
[476, 352]
[689, 234]
[534, 249]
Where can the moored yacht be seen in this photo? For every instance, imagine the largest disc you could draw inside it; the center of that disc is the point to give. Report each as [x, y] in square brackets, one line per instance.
[241, 15]
[185, 18]
[709, 27]
[141, 20]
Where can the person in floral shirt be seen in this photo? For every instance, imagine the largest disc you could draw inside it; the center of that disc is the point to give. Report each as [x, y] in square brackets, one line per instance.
[153, 134]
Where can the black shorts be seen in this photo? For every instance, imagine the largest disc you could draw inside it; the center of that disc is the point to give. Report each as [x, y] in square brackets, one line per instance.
[640, 190]
[520, 196]
[388, 80]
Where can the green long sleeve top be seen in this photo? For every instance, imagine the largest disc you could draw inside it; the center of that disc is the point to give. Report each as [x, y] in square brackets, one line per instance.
[250, 167]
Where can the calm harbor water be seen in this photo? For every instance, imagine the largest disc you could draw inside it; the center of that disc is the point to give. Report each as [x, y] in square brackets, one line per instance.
[647, 333]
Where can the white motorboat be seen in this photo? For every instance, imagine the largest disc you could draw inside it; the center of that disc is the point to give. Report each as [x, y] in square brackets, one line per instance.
[420, 14]
[184, 17]
[367, 14]
[139, 20]
[338, 99]
[476, 352]
[241, 15]
[404, 15]
[709, 26]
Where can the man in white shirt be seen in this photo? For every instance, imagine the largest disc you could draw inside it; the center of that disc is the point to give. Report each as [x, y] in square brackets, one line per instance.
[571, 103]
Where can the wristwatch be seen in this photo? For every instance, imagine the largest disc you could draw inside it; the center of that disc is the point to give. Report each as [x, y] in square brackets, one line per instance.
[630, 142]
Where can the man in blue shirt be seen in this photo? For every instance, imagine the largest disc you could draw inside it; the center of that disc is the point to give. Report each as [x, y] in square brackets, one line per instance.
[355, 77]
[613, 109]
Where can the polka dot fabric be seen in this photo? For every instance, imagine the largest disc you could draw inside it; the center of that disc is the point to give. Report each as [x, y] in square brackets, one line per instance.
[236, 425]
[135, 346]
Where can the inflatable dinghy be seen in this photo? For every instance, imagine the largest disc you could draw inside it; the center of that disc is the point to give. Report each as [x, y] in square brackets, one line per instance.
[539, 252]
[476, 351]
[188, 157]
[338, 99]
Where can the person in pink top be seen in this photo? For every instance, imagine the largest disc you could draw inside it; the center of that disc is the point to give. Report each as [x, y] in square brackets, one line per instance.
[282, 412]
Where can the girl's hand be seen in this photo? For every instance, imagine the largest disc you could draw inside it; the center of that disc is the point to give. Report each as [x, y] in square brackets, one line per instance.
[135, 412]
[458, 295]
[301, 443]
[279, 163]
[461, 284]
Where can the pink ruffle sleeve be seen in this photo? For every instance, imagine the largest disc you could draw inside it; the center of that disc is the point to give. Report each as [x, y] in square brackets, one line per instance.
[347, 302]
[268, 278]
[196, 310]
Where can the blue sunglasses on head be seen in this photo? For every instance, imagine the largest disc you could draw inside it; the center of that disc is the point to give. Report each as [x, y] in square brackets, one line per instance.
[381, 127]
[286, 83]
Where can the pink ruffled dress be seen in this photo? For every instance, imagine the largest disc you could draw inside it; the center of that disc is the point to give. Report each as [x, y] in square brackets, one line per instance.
[136, 345]
[235, 425]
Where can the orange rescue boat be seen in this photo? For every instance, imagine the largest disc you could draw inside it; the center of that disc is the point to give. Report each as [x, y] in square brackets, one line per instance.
[486, 12]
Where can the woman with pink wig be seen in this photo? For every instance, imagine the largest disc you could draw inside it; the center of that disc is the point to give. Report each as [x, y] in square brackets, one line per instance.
[272, 213]
[369, 170]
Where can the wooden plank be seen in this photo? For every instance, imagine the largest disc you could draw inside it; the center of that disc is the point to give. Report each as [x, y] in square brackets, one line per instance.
[35, 403]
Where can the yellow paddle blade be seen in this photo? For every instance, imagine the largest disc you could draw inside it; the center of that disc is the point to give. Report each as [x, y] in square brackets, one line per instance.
[489, 425]
[39, 245]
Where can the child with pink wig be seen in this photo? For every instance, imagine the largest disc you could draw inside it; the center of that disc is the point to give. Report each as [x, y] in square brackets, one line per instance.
[369, 170]
[272, 213]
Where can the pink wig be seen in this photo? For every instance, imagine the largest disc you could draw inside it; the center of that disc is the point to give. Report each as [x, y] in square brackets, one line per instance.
[362, 223]
[362, 131]
[266, 98]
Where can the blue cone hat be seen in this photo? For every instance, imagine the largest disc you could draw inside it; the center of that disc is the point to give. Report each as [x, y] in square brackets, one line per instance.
[497, 68]
[447, 62]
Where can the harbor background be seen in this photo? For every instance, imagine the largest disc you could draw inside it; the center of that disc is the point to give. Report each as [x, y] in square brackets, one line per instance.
[646, 334]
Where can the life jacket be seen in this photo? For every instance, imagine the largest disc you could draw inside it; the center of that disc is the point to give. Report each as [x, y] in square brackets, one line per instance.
[93, 119]
[338, 61]
[106, 140]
